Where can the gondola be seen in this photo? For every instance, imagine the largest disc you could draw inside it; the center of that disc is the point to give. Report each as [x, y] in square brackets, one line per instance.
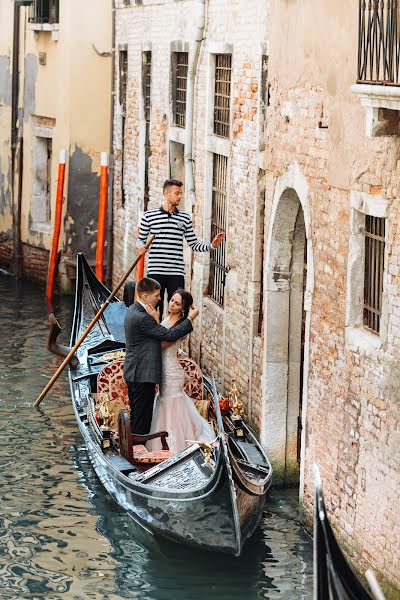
[334, 579]
[208, 496]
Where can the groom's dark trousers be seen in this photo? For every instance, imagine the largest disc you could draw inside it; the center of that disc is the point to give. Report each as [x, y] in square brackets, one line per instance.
[141, 400]
[142, 369]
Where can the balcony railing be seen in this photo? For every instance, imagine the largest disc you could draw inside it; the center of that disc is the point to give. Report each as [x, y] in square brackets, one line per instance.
[378, 42]
[44, 11]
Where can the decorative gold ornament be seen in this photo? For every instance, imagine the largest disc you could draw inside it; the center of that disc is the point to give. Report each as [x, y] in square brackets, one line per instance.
[234, 402]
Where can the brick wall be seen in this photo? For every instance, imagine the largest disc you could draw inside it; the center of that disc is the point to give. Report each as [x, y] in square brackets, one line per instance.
[6, 250]
[314, 141]
[35, 263]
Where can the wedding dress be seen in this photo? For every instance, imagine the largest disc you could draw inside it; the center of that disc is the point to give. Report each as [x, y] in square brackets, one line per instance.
[174, 411]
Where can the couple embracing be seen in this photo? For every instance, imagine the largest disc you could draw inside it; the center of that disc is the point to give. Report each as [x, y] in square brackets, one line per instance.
[151, 359]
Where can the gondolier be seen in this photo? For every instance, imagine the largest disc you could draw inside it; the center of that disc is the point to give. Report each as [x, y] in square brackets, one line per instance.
[170, 225]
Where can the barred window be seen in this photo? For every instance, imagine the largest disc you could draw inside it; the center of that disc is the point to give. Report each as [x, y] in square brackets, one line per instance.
[123, 77]
[373, 272]
[222, 94]
[146, 87]
[44, 11]
[180, 61]
[218, 268]
[146, 79]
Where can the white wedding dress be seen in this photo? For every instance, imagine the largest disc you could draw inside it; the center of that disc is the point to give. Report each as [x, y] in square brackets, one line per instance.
[174, 411]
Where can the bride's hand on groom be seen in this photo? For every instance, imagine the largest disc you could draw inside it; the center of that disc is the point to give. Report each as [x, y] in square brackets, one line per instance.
[153, 312]
[193, 312]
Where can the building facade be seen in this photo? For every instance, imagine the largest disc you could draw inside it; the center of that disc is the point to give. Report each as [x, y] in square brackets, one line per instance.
[300, 307]
[55, 90]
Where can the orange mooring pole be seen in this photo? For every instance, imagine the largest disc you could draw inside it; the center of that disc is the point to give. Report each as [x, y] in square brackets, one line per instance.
[57, 226]
[139, 269]
[101, 221]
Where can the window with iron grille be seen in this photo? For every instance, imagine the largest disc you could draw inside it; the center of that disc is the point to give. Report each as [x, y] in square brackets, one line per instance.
[44, 11]
[146, 87]
[123, 77]
[180, 61]
[373, 272]
[146, 84]
[222, 94]
[218, 268]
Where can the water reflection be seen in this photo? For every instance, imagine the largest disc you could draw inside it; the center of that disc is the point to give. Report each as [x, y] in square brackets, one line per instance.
[61, 534]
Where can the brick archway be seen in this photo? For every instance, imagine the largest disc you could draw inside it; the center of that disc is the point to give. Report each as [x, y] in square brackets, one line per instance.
[288, 289]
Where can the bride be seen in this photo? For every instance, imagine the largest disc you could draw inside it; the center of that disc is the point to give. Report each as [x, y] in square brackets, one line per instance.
[174, 411]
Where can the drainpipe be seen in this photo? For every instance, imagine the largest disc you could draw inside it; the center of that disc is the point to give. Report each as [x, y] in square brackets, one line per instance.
[14, 143]
[16, 198]
[200, 11]
[109, 253]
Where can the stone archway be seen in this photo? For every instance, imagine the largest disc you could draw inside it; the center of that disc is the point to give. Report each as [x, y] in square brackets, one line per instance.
[288, 288]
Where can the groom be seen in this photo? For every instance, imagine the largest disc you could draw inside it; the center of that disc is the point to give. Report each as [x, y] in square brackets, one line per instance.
[144, 335]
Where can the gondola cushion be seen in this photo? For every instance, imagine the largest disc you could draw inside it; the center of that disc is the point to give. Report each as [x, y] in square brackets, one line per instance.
[111, 382]
[194, 384]
[142, 455]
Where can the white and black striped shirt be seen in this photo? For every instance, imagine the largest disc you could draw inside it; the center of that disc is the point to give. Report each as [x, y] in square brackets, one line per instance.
[166, 252]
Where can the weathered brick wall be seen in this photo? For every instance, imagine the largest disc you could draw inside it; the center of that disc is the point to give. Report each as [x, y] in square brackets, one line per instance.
[35, 263]
[352, 417]
[6, 250]
[222, 347]
[34, 260]
[315, 126]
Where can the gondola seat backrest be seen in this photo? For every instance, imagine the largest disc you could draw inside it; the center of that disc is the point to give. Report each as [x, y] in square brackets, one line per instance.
[111, 384]
[193, 385]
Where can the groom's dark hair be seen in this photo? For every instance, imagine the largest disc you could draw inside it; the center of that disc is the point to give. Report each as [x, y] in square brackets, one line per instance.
[147, 285]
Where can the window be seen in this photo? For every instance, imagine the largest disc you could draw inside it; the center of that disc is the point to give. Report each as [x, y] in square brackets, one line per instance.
[146, 87]
[123, 76]
[222, 94]
[367, 293]
[146, 79]
[180, 62]
[177, 161]
[218, 268]
[44, 11]
[373, 271]
[41, 187]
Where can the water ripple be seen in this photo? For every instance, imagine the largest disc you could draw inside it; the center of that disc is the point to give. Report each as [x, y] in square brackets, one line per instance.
[62, 537]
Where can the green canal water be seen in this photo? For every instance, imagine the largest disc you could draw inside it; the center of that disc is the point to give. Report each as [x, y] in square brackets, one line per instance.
[61, 535]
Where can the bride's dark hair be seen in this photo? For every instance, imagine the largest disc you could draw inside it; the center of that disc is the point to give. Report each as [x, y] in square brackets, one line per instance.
[187, 301]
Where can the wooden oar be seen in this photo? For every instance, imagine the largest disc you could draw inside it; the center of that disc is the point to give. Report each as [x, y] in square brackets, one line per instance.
[90, 326]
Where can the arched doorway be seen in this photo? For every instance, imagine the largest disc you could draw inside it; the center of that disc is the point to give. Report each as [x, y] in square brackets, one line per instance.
[288, 284]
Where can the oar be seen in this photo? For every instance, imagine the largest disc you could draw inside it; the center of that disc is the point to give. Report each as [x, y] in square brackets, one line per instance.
[90, 326]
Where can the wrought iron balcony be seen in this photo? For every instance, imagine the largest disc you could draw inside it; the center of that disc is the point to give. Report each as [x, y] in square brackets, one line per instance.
[379, 42]
[44, 11]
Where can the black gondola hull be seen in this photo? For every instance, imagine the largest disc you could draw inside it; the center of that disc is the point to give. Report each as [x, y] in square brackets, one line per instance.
[218, 512]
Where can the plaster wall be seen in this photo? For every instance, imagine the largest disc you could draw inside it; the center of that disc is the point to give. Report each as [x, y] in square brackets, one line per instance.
[6, 222]
[65, 97]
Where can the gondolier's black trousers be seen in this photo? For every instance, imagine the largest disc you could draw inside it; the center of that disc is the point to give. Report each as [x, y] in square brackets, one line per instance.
[171, 283]
[141, 400]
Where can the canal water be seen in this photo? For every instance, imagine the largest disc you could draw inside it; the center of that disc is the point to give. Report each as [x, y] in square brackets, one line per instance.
[62, 537]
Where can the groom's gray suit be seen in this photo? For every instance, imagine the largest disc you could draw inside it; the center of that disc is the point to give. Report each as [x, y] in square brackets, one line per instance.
[142, 369]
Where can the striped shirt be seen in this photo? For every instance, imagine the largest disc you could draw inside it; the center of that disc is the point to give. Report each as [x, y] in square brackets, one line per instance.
[166, 252]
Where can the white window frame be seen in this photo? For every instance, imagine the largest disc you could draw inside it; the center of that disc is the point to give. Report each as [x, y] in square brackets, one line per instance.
[357, 336]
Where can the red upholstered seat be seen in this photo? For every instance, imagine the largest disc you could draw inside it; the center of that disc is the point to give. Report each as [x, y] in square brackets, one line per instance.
[193, 377]
[193, 385]
[111, 382]
[142, 456]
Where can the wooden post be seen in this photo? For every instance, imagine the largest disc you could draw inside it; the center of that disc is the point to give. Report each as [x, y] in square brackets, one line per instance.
[101, 221]
[57, 226]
